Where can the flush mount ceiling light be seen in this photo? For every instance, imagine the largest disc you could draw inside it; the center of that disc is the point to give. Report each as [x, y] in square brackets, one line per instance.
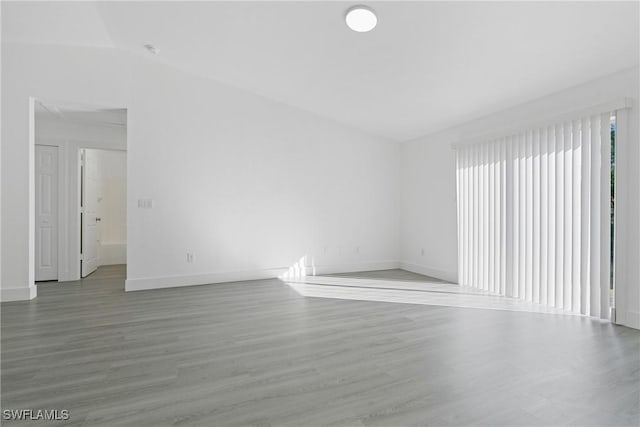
[361, 18]
[152, 49]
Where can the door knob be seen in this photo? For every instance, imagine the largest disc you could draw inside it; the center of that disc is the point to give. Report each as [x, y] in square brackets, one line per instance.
[98, 219]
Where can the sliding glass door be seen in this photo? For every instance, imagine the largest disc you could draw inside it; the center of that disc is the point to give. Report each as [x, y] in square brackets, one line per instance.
[536, 211]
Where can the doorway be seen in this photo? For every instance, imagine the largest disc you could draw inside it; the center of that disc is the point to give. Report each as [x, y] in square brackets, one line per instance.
[102, 209]
[80, 207]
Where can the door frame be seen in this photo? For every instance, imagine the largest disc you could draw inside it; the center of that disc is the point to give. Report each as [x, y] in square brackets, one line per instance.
[68, 195]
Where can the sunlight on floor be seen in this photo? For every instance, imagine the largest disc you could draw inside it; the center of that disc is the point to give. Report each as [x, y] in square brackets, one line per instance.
[406, 292]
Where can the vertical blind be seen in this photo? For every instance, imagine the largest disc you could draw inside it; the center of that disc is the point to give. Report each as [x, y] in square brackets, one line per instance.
[534, 215]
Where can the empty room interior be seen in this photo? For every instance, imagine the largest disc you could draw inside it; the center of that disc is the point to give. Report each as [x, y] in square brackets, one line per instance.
[316, 213]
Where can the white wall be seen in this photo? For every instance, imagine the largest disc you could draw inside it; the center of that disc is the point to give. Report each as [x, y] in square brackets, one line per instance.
[82, 75]
[246, 184]
[429, 234]
[249, 186]
[429, 192]
[112, 206]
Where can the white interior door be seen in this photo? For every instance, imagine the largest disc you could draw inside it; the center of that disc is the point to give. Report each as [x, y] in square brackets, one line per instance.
[46, 252]
[89, 211]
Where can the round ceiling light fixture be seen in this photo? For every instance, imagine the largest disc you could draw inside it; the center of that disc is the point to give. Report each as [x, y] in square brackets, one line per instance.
[361, 18]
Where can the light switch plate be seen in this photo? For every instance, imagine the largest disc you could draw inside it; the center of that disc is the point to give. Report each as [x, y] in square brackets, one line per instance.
[145, 203]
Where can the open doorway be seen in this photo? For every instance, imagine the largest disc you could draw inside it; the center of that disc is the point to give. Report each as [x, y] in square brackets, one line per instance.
[80, 189]
[103, 218]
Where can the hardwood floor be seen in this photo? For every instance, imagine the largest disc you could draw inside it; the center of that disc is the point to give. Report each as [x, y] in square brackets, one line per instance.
[259, 353]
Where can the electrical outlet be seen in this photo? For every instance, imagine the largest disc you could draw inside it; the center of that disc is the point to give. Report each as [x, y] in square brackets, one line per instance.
[191, 258]
[422, 252]
[357, 249]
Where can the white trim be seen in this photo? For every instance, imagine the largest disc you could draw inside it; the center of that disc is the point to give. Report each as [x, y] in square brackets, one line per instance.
[605, 107]
[623, 188]
[69, 183]
[449, 276]
[31, 179]
[147, 283]
[352, 268]
[18, 294]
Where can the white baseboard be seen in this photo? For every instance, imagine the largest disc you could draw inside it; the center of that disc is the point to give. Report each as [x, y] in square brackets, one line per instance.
[352, 268]
[146, 283]
[18, 294]
[113, 253]
[449, 276]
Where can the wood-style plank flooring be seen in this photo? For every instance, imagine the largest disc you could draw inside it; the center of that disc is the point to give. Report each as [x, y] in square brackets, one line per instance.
[259, 353]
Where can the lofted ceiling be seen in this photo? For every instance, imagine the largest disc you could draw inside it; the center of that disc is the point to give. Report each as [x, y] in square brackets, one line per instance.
[425, 67]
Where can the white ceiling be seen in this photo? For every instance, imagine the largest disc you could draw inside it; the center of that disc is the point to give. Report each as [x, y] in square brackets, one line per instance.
[427, 66]
[67, 23]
